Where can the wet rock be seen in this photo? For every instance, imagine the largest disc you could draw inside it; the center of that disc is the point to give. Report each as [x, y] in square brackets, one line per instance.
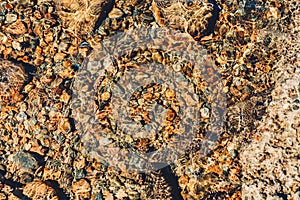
[115, 13]
[191, 17]
[81, 188]
[16, 28]
[80, 16]
[12, 79]
[39, 190]
[25, 161]
[10, 18]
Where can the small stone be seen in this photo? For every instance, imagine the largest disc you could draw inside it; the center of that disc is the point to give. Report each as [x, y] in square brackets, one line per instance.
[115, 13]
[63, 46]
[49, 37]
[79, 163]
[238, 83]
[73, 50]
[170, 94]
[65, 97]
[7, 52]
[21, 116]
[81, 188]
[226, 89]
[10, 18]
[295, 107]
[233, 153]
[274, 13]
[59, 57]
[204, 112]
[23, 107]
[157, 57]
[12, 79]
[121, 194]
[16, 28]
[39, 190]
[147, 96]
[39, 60]
[64, 125]
[105, 96]
[79, 174]
[25, 161]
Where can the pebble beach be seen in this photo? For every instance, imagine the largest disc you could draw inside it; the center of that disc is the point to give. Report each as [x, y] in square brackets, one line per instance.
[149, 99]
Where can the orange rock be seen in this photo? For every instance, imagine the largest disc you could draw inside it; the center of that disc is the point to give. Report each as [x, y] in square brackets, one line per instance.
[105, 96]
[215, 169]
[65, 97]
[170, 94]
[37, 190]
[16, 28]
[12, 77]
[81, 188]
[183, 181]
[59, 57]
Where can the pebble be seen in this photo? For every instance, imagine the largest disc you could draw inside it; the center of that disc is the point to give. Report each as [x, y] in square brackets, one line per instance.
[81, 188]
[170, 94]
[21, 116]
[16, 45]
[59, 57]
[204, 112]
[10, 18]
[39, 190]
[115, 13]
[16, 28]
[25, 161]
[105, 96]
[12, 78]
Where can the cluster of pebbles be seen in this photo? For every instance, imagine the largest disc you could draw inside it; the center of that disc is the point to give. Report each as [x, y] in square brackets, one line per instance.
[42, 151]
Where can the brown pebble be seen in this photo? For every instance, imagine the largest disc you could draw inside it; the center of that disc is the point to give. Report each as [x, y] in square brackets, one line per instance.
[64, 126]
[65, 97]
[59, 57]
[49, 37]
[16, 28]
[38, 190]
[81, 188]
[170, 94]
[7, 52]
[73, 50]
[12, 78]
[147, 96]
[39, 60]
[105, 96]
[115, 13]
